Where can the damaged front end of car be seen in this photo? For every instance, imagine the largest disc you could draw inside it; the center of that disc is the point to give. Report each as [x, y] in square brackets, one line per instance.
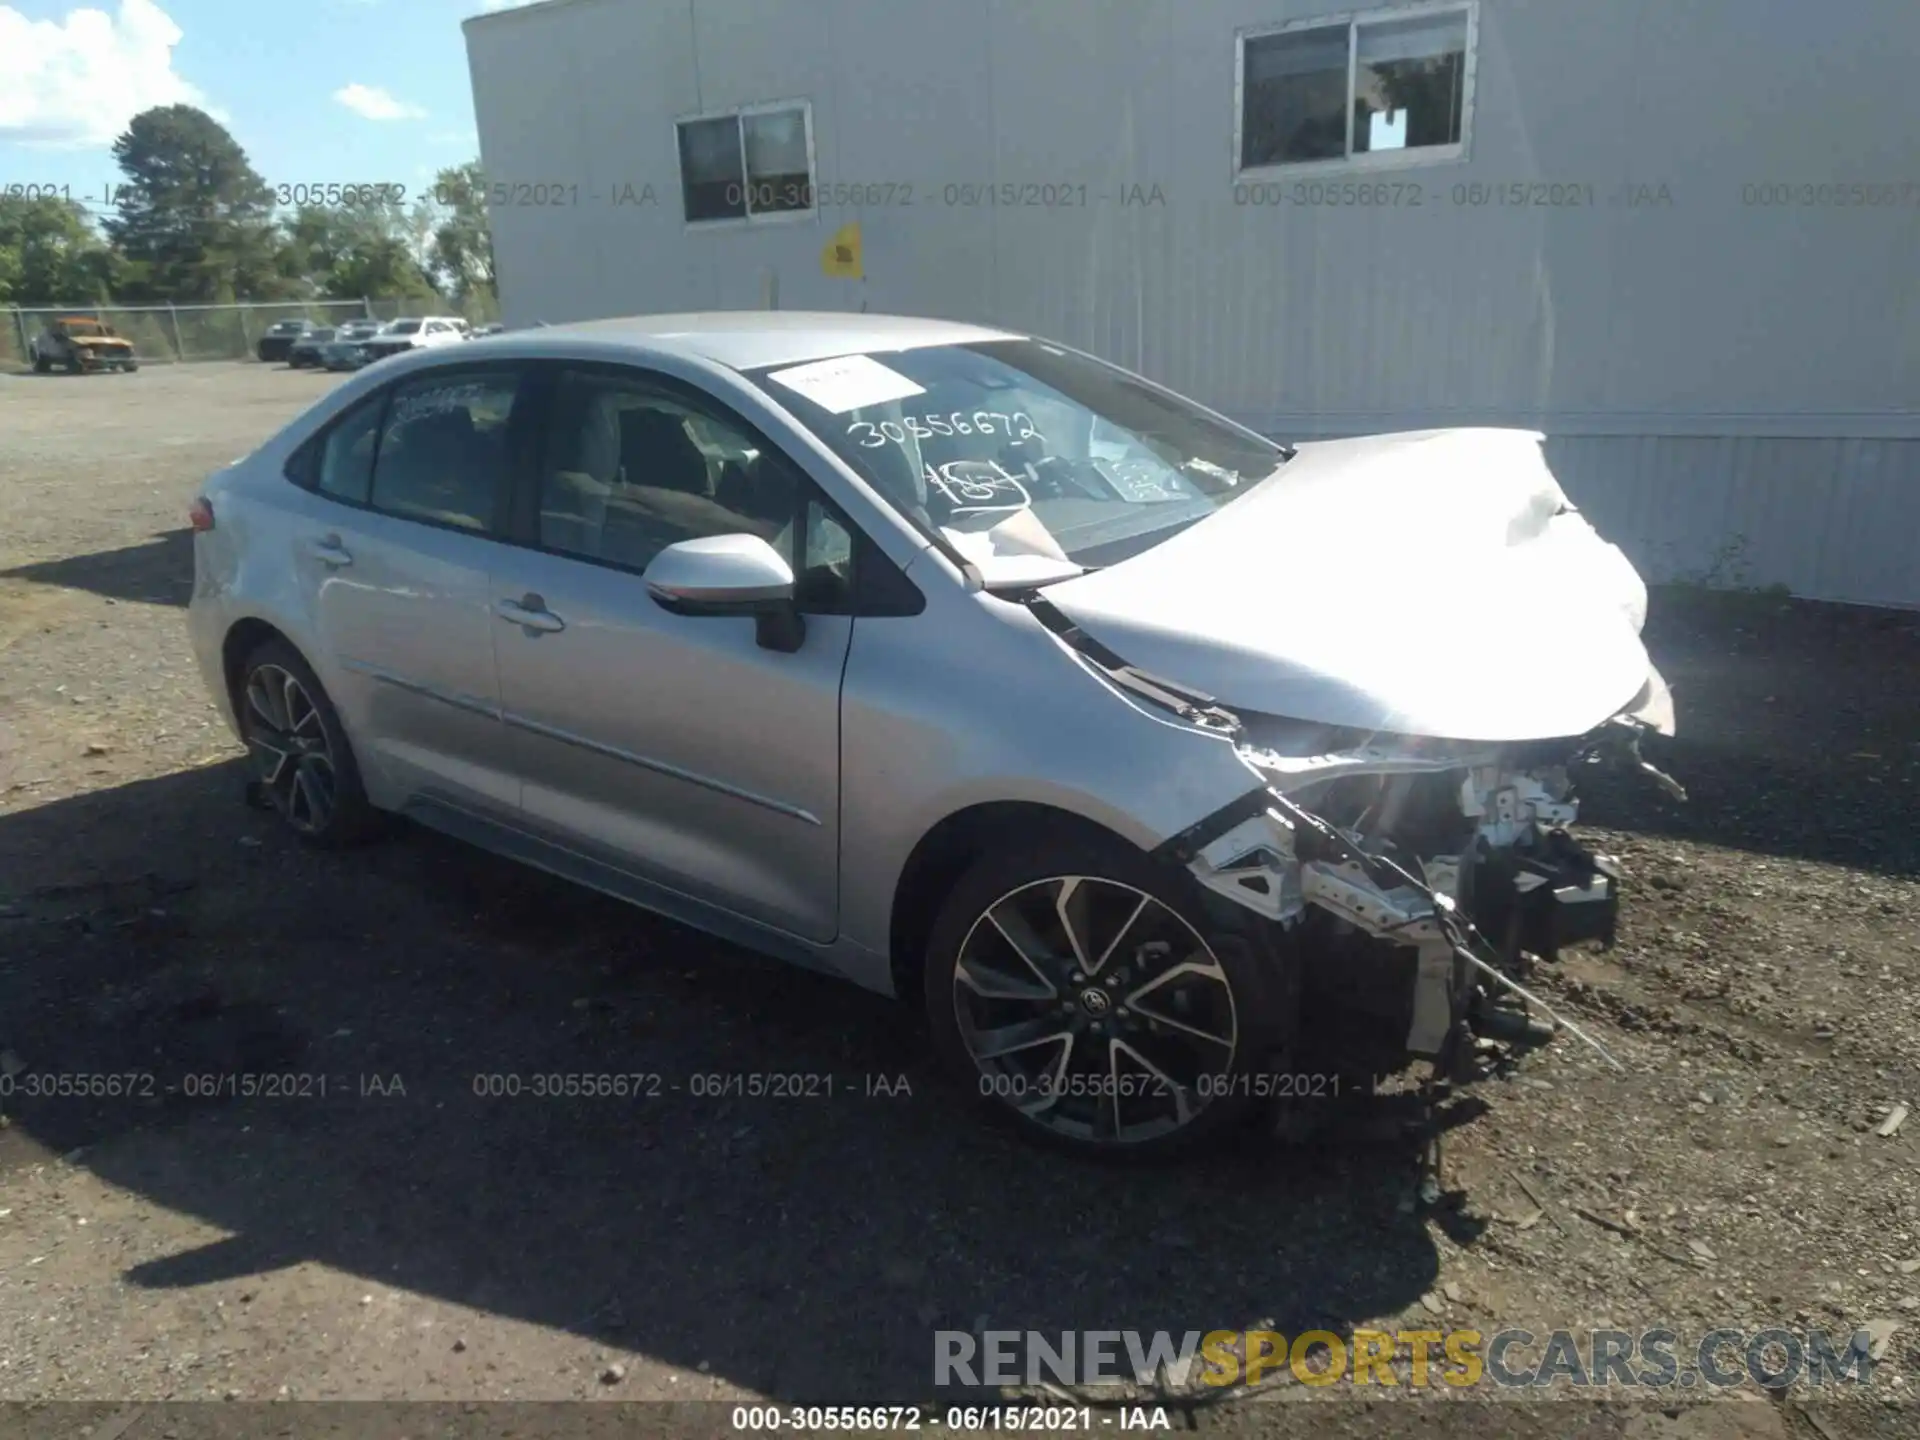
[1418, 878]
[1415, 879]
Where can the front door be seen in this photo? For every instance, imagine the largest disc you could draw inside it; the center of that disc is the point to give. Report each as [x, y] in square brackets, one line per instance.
[673, 746]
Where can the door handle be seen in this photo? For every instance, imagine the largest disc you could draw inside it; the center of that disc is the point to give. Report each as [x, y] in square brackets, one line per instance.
[329, 551]
[530, 613]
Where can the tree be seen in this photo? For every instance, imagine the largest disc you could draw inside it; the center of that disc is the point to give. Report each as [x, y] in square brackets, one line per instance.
[368, 249]
[193, 214]
[462, 251]
[50, 255]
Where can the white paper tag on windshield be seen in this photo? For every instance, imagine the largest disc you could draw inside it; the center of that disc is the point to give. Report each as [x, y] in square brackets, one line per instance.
[846, 382]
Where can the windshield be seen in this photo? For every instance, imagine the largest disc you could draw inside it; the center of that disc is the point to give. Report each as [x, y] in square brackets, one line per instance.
[288, 327]
[403, 327]
[84, 327]
[1029, 460]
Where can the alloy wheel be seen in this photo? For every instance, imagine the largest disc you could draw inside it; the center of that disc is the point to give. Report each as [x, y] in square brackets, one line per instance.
[288, 743]
[1095, 1010]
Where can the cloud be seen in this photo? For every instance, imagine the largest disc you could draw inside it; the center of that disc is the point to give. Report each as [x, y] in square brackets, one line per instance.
[370, 102]
[78, 81]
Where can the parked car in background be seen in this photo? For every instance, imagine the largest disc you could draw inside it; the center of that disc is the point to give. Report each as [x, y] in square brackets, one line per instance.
[344, 351]
[589, 596]
[279, 339]
[81, 343]
[306, 348]
[416, 333]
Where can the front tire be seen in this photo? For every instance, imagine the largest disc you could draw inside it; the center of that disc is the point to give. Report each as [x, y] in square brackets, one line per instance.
[1098, 1001]
[298, 750]
[42, 365]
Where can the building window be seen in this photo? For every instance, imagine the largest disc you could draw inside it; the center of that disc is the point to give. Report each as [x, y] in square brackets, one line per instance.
[747, 164]
[1383, 88]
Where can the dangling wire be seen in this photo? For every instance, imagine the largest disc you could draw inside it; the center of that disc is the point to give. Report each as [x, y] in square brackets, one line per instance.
[1458, 930]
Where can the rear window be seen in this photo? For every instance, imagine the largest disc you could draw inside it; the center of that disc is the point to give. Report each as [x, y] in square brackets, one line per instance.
[442, 454]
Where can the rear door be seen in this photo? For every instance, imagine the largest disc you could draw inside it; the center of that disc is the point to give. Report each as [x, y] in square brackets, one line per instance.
[414, 484]
[674, 747]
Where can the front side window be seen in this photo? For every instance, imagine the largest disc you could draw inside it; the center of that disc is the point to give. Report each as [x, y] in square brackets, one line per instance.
[750, 163]
[630, 469]
[1371, 85]
[443, 448]
[823, 580]
[1027, 459]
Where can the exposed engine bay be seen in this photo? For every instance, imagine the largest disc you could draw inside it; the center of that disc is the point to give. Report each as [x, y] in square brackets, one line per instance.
[1426, 871]
[1418, 877]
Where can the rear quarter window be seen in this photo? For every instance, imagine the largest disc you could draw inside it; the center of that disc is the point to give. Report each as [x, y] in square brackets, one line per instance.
[338, 461]
[344, 468]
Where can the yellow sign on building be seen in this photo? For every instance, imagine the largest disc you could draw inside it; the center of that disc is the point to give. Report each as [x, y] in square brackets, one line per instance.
[842, 255]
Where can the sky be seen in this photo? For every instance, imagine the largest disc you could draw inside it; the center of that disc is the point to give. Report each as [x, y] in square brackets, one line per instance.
[315, 91]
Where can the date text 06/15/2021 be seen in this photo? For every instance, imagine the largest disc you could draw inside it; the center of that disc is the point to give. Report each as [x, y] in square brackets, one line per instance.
[966, 1419]
[768, 197]
[698, 1085]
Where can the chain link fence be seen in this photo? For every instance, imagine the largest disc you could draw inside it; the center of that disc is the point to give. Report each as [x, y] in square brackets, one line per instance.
[213, 332]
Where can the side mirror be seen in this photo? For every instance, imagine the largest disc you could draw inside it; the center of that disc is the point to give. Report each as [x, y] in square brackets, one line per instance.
[720, 575]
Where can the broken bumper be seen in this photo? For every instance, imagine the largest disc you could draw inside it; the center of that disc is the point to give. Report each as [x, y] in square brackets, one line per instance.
[1489, 847]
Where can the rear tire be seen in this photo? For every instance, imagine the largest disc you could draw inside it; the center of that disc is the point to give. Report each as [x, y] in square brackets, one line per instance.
[1131, 1018]
[300, 759]
[75, 365]
[42, 365]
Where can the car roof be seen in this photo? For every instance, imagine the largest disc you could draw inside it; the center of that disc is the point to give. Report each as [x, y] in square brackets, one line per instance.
[750, 339]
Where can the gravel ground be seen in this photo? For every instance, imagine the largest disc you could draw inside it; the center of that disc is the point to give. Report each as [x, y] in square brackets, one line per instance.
[402, 1237]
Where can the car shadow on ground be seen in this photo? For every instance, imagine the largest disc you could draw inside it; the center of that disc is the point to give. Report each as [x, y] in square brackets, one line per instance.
[807, 1247]
[158, 571]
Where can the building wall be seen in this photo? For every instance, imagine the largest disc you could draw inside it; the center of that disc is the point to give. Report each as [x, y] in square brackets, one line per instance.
[1718, 377]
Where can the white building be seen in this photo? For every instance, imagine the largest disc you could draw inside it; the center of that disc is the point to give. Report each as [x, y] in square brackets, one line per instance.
[1678, 236]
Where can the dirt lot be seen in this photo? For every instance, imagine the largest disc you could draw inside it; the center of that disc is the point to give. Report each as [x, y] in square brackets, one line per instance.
[401, 1236]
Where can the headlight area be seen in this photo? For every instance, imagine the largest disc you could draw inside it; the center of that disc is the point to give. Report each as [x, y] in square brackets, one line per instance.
[1412, 880]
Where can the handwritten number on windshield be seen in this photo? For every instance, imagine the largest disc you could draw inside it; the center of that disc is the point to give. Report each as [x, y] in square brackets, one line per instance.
[1017, 427]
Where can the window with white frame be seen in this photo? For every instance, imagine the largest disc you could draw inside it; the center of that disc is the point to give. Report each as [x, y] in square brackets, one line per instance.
[747, 163]
[1385, 86]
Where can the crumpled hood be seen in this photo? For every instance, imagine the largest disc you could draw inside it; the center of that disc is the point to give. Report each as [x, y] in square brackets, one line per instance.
[1431, 583]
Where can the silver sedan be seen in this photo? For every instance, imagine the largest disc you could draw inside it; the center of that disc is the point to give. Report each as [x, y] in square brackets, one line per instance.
[1137, 750]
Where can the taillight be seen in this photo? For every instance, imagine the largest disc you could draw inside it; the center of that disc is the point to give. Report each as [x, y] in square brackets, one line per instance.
[200, 513]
